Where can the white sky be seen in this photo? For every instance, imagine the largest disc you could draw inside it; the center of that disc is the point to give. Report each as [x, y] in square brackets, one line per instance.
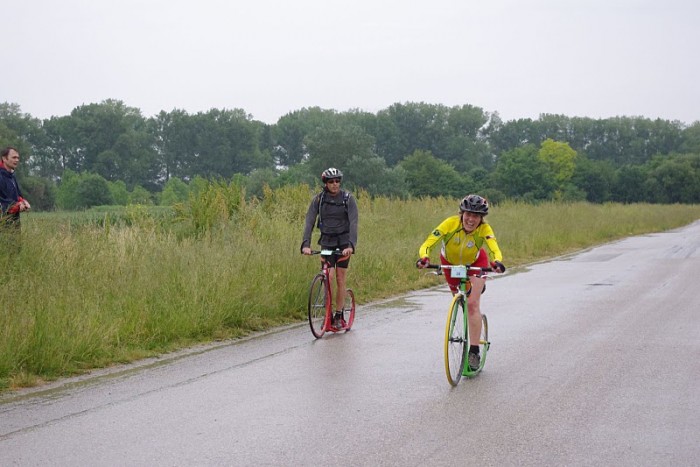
[521, 58]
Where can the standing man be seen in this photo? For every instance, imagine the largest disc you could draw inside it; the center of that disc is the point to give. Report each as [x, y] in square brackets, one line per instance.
[11, 200]
[336, 211]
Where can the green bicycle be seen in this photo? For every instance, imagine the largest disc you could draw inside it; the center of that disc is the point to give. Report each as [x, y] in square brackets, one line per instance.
[457, 327]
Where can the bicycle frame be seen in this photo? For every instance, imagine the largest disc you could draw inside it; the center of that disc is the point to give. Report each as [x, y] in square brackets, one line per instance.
[325, 276]
[461, 337]
[326, 271]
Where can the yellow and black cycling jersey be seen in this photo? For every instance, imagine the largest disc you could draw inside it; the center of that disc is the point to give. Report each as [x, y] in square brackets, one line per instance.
[458, 246]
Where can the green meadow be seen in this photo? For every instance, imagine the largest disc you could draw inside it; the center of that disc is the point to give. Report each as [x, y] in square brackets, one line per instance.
[88, 290]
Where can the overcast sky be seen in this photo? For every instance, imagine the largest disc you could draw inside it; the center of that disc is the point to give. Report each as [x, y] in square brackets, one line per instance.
[520, 58]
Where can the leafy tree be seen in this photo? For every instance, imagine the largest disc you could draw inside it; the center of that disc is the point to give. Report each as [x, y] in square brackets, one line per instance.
[258, 179]
[22, 125]
[227, 143]
[140, 195]
[675, 179]
[480, 178]
[59, 153]
[17, 129]
[67, 193]
[93, 190]
[174, 136]
[428, 176]
[136, 162]
[595, 179]
[372, 174]
[521, 174]
[630, 184]
[7, 136]
[418, 126]
[560, 159]
[299, 174]
[514, 134]
[40, 192]
[80, 191]
[291, 131]
[95, 128]
[452, 134]
[691, 139]
[119, 192]
[333, 145]
[175, 191]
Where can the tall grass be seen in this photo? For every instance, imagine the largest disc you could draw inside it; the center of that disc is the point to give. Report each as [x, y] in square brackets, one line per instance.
[89, 290]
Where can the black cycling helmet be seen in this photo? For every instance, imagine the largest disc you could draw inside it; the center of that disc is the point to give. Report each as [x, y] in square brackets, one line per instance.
[331, 172]
[474, 203]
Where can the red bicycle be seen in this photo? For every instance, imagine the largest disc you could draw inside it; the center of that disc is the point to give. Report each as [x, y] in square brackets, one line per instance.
[321, 300]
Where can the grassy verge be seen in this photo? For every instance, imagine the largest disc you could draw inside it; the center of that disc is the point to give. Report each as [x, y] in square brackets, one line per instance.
[82, 294]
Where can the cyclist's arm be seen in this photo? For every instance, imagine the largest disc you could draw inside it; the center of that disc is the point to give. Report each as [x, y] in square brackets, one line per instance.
[311, 215]
[435, 237]
[353, 218]
[491, 243]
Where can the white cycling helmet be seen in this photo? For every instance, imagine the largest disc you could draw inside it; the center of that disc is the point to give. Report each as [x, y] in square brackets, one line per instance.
[331, 172]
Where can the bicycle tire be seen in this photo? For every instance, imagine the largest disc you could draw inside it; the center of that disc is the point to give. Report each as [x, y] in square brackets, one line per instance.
[484, 343]
[483, 349]
[455, 340]
[317, 306]
[351, 313]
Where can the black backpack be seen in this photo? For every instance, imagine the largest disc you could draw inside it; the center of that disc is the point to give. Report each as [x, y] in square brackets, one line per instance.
[321, 200]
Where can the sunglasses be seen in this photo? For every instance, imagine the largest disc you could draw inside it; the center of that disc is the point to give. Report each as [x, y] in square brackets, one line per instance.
[333, 180]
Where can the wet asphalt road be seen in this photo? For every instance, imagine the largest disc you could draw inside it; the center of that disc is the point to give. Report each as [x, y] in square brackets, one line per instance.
[595, 360]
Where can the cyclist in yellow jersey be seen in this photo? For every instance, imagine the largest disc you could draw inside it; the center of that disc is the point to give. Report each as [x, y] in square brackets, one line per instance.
[463, 237]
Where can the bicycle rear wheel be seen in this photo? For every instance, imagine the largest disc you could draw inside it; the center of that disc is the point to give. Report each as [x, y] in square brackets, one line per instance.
[484, 343]
[351, 312]
[455, 340]
[483, 348]
[317, 305]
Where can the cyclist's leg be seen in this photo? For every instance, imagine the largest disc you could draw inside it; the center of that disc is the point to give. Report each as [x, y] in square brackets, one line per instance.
[474, 300]
[340, 287]
[451, 282]
[474, 309]
[341, 271]
[332, 261]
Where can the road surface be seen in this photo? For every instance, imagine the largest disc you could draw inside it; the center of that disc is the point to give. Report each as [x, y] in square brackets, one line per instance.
[595, 360]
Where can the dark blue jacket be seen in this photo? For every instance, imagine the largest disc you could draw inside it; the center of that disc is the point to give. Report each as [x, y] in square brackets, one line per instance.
[9, 192]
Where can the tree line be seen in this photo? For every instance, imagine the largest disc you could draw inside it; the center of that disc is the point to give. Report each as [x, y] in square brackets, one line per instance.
[109, 153]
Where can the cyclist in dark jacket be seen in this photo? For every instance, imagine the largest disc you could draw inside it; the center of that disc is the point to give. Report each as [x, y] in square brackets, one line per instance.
[335, 212]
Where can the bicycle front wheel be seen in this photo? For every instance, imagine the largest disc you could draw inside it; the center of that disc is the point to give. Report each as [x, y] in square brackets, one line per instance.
[455, 340]
[317, 305]
[349, 294]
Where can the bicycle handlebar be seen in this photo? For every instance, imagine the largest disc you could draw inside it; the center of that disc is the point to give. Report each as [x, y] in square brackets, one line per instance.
[440, 267]
[336, 252]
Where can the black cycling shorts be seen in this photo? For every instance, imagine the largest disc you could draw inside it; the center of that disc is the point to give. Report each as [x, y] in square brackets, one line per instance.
[339, 261]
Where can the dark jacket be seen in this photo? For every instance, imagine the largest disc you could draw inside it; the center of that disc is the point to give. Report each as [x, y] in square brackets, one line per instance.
[337, 220]
[10, 195]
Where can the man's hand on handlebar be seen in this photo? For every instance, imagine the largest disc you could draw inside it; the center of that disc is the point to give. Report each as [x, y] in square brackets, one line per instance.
[423, 263]
[498, 267]
[306, 250]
